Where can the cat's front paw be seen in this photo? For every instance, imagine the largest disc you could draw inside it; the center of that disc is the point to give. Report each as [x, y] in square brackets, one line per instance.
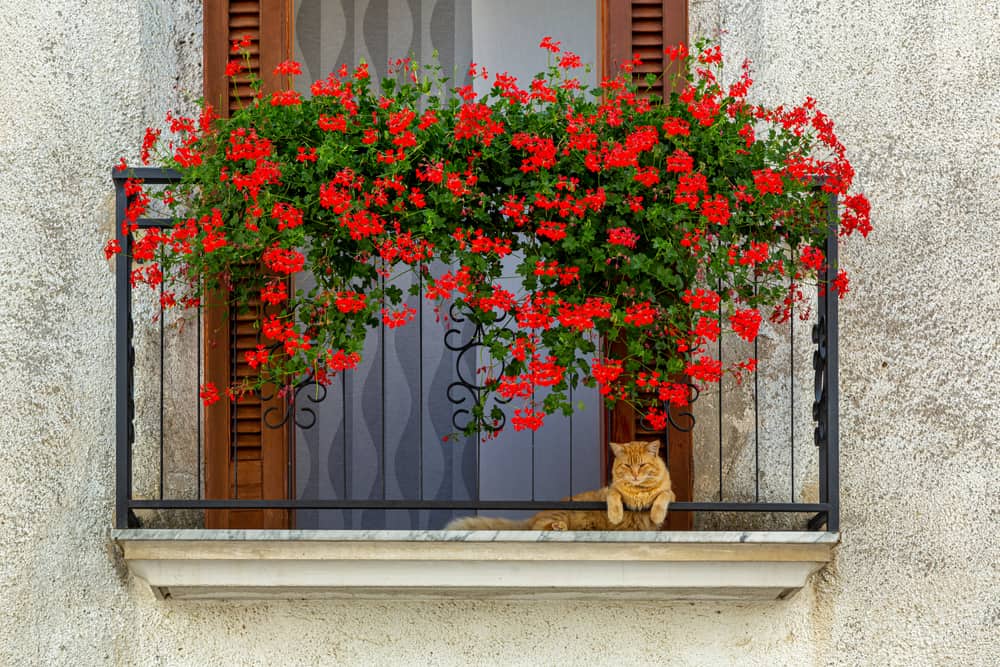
[615, 514]
[658, 514]
[558, 525]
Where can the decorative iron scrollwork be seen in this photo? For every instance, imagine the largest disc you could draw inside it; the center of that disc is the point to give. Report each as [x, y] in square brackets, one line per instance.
[303, 416]
[687, 417]
[688, 414]
[820, 381]
[464, 388]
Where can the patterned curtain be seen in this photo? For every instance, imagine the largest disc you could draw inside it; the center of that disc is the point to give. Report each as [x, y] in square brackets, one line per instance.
[329, 33]
[377, 432]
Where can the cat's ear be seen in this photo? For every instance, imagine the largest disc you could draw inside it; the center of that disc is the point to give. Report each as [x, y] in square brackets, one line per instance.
[652, 447]
[617, 448]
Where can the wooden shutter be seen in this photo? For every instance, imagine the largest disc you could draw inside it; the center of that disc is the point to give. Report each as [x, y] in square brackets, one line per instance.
[244, 457]
[644, 27]
[647, 27]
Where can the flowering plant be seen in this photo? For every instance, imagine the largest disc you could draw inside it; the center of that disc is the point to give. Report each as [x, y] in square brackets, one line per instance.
[638, 226]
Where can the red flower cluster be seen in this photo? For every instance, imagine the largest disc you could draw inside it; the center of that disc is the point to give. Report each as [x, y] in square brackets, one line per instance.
[338, 361]
[583, 316]
[351, 302]
[706, 369]
[628, 219]
[283, 260]
[640, 314]
[258, 357]
[288, 216]
[398, 318]
[745, 323]
[209, 393]
[274, 293]
[768, 181]
[623, 236]
[701, 299]
[527, 418]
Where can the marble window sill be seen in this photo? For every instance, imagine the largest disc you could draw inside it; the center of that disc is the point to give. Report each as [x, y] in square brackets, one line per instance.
[302, 564]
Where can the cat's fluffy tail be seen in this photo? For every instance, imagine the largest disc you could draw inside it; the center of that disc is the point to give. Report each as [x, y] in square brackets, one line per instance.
[487, 523]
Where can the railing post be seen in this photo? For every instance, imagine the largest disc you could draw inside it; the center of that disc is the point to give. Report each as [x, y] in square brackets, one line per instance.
[832, 406]
[124, 356]
[827, 395]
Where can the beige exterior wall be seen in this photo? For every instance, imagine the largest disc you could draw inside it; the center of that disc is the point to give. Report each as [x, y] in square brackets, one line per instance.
[914, 86]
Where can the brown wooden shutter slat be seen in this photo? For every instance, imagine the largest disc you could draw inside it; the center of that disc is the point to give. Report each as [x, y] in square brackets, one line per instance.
[243, 92]
[245, 410]
[244, 457]
[647, 25]
[243, 24]
[654, 10]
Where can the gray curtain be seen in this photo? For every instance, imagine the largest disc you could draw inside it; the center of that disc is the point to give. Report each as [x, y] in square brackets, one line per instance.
[377, 432]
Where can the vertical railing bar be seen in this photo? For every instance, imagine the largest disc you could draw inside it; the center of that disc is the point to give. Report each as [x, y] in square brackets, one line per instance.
[382, 352]
[479, 433]
[420, 377]
[197, 402]
[479, 464]
[720, 397]
[233, 408]
[820, 366]
[792, 392]
[290, 435]
[348, 515]
[832, 374]
[123, 366]
[479, 436]
[756, 412]
[162, 345]
[605, 462]
[532, 448]
[819, 418]
[666, 440]
[570, 443]
[343, 404]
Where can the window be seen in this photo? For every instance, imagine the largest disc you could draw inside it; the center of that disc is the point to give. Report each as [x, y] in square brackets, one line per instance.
[358, 442]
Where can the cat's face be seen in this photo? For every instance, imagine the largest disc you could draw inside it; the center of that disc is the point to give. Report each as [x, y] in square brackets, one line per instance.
[637, 462]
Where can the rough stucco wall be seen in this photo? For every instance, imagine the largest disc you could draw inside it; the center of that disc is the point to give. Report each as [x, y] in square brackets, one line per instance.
[756, 447]
[914, 88]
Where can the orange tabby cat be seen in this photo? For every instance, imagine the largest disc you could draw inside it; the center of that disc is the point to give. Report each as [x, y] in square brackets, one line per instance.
[639, 481]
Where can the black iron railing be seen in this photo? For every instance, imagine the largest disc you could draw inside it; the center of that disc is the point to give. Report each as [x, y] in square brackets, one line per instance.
[824, 403]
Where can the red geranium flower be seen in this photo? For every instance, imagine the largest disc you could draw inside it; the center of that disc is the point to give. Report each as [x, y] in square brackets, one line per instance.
[623, 236]
[768, 181]
[706, 369]
[527, 418]
[746, 323]
[112, 248]
[209, 394]
[288, 68]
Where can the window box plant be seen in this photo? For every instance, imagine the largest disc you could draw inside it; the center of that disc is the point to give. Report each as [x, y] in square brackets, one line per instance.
[639, 227]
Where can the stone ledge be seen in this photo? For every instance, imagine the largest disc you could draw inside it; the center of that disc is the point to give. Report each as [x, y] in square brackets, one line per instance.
[293, 564]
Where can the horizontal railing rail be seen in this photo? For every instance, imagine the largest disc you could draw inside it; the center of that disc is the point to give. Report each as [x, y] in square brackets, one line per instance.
[307, 504]
[824, 413]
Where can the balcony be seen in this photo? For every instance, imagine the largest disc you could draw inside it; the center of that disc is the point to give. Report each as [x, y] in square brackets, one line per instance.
[346, 490]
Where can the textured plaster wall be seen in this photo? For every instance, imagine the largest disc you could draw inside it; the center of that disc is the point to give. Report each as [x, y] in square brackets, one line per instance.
[914, 88]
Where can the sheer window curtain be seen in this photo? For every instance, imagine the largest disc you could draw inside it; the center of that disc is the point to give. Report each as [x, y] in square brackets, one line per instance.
[378, 431]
